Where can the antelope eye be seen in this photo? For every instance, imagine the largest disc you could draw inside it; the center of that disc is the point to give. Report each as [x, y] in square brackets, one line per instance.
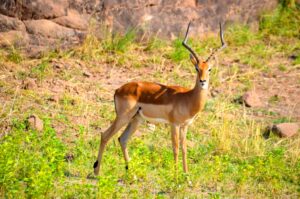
[209, 70]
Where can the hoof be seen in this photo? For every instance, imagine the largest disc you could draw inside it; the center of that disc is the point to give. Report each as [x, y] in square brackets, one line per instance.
[126, 167]
[95, 164]
[91, 176]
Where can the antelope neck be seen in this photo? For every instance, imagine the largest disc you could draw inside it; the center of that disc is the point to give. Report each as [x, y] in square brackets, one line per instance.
[199, 96]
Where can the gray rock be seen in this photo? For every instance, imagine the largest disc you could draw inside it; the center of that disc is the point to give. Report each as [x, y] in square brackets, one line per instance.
[34, 9]
[35, 122]
[10, 23]
[285, 129]
[47, 28]
[87, 74]
[251, 99]
[54, 98]
[73, 20]
[29, 84]
[13, 38]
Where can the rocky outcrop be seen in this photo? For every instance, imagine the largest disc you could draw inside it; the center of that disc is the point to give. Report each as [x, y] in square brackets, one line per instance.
[39, 25]
[36, 26]
[169, 18]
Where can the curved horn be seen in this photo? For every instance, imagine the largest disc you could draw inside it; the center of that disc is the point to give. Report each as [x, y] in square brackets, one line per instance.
[220, 48]
[186, 46]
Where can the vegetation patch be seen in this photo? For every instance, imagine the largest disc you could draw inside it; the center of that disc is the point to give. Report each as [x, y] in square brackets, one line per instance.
[32, 163]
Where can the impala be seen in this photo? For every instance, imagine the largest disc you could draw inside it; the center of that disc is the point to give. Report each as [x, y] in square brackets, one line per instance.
[155, 102]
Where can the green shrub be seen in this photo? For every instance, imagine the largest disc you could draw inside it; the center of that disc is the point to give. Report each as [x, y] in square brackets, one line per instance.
[120, 43]
[179, 53]
[30, 161]
[155, 44]
[284, 21]
[41, 70]
[14, 55]
[239, 35]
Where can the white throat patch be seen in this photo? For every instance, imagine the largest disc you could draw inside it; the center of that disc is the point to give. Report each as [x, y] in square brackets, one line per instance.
[204, 85]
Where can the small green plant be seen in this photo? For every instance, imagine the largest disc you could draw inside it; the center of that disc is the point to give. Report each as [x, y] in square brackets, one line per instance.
[274, 99]
[14, 55]
[119, 43]
[179, 53]
[40, 70]
[155, 44]
[90, 49]
[282, 120]
[288, 3]
[239, 35]
[282, 68]
[2, 55]
[297, 60]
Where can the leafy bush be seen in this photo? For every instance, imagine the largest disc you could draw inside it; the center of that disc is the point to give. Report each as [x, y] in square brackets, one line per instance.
[119, 43]
[239, 35]
[179, 53]
[284, 21]
[30, 161]
[14, 55]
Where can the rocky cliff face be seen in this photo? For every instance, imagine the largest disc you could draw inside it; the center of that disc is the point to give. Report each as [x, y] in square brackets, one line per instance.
[39, 25]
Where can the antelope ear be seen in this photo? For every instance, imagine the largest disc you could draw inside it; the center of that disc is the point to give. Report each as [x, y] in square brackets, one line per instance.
[194, 61]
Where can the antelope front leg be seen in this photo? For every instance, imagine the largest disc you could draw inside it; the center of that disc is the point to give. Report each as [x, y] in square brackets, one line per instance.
[175, 135]
[183, 132]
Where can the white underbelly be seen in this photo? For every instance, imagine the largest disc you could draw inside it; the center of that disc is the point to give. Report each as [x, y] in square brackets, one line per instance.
[189, 121]
[153, 119]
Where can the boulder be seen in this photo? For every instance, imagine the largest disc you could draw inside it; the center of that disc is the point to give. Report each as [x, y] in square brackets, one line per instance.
[87, 74]
[10, 23]
[251, 99]
[35, 122]
[13, 38]
[47, 28]
[34, 9]
[72, 20]
[29, 84]
[54, 98]
[285, 129]
[45, 35]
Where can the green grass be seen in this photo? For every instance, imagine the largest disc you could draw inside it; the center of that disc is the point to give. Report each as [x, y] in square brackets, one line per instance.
[179, 53]
[31, 162]
[228, 156]
[240, 35]
[219, 165]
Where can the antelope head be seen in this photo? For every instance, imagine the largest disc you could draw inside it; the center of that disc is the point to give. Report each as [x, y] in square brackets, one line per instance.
[203, 68]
